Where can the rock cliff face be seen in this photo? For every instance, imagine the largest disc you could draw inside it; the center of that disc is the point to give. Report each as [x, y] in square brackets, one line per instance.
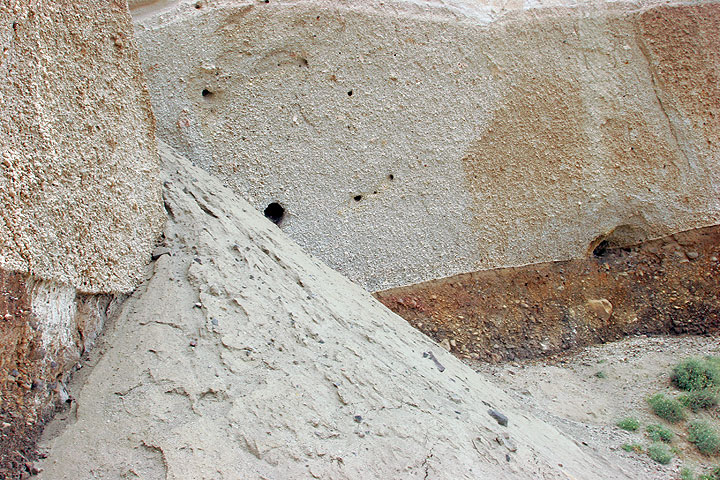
[80, 205]
[243, 357]
[413, 140]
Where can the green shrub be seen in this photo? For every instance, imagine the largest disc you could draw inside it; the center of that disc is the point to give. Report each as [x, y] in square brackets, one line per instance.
[699, 399]
[696, 374]
[628, 423]
[713, 474]
[704, 436]
[666, 408]
[659, 453]
[632, 447]
[686, 474]
[600, 374]
[659, 433]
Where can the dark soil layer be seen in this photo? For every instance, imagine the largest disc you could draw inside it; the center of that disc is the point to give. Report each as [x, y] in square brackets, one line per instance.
[19, 426]
[668, 285]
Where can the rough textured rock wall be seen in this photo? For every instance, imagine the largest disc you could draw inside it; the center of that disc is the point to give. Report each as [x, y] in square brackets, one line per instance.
[413, 140]
[80, 201]
[80, 198]
[243, 357]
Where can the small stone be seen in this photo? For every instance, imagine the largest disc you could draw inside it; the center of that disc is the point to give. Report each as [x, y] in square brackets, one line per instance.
[198, 305]
[692, 255]
[357, 418]
[193, 343]
[159, 252]
[499, 417]
[602, 308]
[445, 343]
[14, 372]
[214, 321]
[37, 384]
[453, 343]
[8, 316]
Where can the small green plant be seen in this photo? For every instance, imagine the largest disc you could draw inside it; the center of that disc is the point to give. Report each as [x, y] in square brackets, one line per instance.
[628, 423]
[713, 474]
[659, 453]
[600, 374]
[696, 374]
[632, 447]
[686, 473]
[699, 399]
[666, 408]
[704, 437]
[658, 433]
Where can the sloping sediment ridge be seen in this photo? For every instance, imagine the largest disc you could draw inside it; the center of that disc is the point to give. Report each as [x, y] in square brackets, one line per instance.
[243, 357]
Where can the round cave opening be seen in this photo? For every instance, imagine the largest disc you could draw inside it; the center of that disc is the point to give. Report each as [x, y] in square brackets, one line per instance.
[274, 212]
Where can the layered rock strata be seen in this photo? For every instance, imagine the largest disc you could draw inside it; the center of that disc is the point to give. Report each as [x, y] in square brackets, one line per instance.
[80, 205]
[663, 286]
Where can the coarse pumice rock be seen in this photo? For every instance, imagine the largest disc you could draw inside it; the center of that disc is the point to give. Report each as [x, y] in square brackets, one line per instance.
[302, 374]
[80, 197]
[411, 140]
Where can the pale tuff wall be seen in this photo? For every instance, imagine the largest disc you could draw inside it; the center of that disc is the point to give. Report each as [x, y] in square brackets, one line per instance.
[512, 135]
[80, 198]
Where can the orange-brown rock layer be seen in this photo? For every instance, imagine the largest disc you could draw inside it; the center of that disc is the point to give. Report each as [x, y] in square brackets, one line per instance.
[668, 285]
[36, 361]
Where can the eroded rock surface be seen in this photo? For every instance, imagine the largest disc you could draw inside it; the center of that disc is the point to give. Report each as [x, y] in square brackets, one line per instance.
[410, 140]
[667, 285]
[79, 195]
[80, 204]
[243, 357]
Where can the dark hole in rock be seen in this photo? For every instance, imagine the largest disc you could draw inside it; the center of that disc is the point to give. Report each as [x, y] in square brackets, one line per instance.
[601, 249]
[198, 5]
[350, 93]
[206, 93]
[274, 212]
[357, 198]
[621, 237]
[391, 177]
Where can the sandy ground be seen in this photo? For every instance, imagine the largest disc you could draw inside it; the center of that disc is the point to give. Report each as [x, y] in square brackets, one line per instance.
[242, 357]
[567, 392]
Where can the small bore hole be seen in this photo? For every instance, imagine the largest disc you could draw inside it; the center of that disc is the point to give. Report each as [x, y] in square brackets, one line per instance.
[206, 92]
[357, 198]
[349, 93]
[198, 5]
[274, 212]
[391, 177]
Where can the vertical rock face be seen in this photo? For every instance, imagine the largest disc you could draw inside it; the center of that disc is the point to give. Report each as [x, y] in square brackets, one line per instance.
[80, 204]
[409, 141]
[80, 198]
